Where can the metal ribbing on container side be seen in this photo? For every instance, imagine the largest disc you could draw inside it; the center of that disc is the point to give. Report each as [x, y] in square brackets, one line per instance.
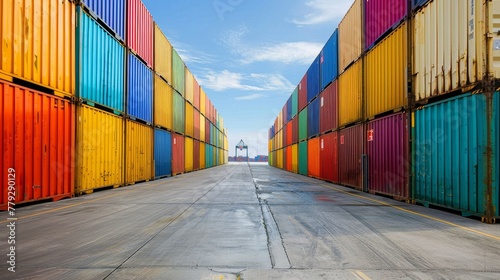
[139, 90]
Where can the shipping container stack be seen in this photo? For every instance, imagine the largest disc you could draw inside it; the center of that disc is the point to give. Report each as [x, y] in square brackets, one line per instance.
[103, 106]
[409, 116]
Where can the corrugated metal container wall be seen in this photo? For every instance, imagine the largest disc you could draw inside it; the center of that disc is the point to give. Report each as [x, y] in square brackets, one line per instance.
[163, 104]
[418, 3]
[177, 154]
[295, 102]
[328, 120]
[303, 93]
[202, 128]
[350, 36]
[138, 152]
[295, 158]
[38, 42]
[140, 90]
[303, 125]
[188, 154]
[163, 55]
[289, 134]
[189, 115]
[140, 31]
[350, 92]
[196, 123]
[387, 151]
[381, 16]
[313, 80]
[279, 158]
[303, 158]
[163, 153]
[196, 155]
[460, 55]
[179, 111]
[221, 157]
[313, 118]
[329, 166]
[283, 140]
[289, 109]
[287, 159]
[209, 156]
[295, 130]
[350, 152]
[455, 161]
[188, 86]
[111, 13]
[208, 131]
[329, 63]
[313, 157]
[178, 74]
[99, 150]
[271, 159]
[38, 142]
[203, 97]
[196, 94]
[202, 159]
[100, 64]
[385, 74]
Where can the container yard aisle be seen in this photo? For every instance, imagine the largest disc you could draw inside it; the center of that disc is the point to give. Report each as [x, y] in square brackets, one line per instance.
[241, 221]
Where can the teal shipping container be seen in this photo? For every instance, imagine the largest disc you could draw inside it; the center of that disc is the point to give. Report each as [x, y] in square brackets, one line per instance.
[455, 155]
[303, 158]
[303, 125]
[295, 102]
[179, 110]
[209, 156]
[100, 64]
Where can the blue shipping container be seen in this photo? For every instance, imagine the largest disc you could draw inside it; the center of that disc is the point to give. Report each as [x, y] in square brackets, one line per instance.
[313, 114]
[415, 4]
[100, 64]
[289, 109]
[455, 154]
[313, 80]
[111, 13]
[329, 64]
[140, 90]
[163, 153]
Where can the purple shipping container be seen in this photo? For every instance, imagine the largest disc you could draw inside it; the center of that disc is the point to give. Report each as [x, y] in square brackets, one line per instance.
[140, 90]
[110, 13]
[350, 151]
[380, 17]
[387, 151]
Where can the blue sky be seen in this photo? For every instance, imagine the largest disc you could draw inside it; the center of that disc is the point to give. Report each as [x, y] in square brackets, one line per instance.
[248, 55]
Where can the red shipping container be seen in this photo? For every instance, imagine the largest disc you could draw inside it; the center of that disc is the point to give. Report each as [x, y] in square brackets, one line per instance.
[329, 157]
[196, 125]
[313, 157]
[140, 31]
[38, 138]
[196, 94]
[303, 93]
[350, 151]
[381, 16]
[196, 155]
[289, 133]
[288, 157]
[208, 131]
[295, 130]
[387, 151]
[177, 154]
[328, 119]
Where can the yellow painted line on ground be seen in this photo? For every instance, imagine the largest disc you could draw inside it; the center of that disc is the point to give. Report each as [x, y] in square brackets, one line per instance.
[416, 213]
[360, 275]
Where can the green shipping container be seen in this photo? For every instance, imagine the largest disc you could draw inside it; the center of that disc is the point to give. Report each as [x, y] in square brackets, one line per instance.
[178, 74]
[455, 155]
[209, 156]
[295, 102]
[303, 158]
[303, 125]
[179, 113]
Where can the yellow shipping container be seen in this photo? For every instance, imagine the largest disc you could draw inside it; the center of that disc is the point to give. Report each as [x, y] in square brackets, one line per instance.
[188, 154]
[350, 94]
[38, 43]
[163, 104]
[270, 146]
[99, 150]
[350, 36]
[279, 158]
[455, 45]
[295, 158]
[221, 156]
[163, 55]
[202, 128]
[226, 157]
[189, 86]
[203, 97]
[202, 156]
[385, 74]
[138, 152]
[189, 128]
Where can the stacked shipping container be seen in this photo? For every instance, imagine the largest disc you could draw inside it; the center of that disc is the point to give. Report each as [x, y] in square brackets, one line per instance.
[388, 80]
[108, 102]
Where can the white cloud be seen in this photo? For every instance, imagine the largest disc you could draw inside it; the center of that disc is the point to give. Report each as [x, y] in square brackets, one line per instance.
[322, 11]
[250, 97]
[191, 55]
[226, 80]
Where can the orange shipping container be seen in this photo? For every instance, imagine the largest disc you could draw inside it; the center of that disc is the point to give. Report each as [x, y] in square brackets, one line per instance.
[38, 43]
[37, 145]
[313, 157]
